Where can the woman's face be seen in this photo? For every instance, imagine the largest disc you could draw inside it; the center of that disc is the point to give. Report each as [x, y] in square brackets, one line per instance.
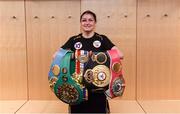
[87, 23]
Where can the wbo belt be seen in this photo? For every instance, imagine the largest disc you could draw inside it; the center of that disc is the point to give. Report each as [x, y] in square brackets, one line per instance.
[117, 83]
[66, 88]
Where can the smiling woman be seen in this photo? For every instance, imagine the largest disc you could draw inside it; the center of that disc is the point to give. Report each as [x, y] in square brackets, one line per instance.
[90, 41]
[90, 44]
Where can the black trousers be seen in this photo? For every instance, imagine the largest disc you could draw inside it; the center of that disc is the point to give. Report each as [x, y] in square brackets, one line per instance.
[97, 103]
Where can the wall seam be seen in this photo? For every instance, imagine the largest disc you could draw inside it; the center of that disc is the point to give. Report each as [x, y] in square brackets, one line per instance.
[26, 49]
[136, 89]
[137, 6]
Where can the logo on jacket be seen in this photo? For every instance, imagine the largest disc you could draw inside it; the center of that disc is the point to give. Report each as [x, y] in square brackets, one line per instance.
[78, 45]
[97, 44]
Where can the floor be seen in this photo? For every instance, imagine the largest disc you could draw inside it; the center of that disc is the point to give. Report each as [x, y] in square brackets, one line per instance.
[116, 106]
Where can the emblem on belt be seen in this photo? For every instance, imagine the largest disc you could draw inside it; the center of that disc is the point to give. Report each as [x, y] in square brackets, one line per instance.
[101, 75]
[88, 75]
[67, 93]
[117, 67]
[100, 57]
[82, 58]
[52, 82]
[118, 86]
[56, 70]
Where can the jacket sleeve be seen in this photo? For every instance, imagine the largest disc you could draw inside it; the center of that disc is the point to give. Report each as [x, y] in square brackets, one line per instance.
[68, 44]
[107, 44]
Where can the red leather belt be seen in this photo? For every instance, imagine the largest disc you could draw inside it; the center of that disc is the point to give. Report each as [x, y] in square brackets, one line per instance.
[117, 83]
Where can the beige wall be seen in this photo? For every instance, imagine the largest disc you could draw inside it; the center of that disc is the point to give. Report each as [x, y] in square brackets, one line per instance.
[44, 36]
[158, 49]
[151, 44]
[13, 61]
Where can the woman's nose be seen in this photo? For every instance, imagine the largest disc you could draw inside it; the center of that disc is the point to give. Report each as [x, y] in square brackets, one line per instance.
[87, 23]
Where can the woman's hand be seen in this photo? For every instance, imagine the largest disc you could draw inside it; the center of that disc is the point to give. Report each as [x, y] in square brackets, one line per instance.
[54, 55]
[119, 52]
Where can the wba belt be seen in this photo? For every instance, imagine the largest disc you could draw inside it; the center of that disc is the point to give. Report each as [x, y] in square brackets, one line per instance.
[117, 83]
[96, 71]
[66, 88]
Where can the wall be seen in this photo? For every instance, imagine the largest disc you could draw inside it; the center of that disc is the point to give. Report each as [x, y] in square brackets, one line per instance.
[158, 49]
[13, 61]
[146, 32]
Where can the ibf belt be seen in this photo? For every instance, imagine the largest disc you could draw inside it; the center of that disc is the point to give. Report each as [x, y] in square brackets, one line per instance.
[81, 57]
[97, 70]
[55, 68]
[117, 83]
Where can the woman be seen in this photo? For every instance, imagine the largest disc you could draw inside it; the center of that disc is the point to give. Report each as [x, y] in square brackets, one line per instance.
[91, 41]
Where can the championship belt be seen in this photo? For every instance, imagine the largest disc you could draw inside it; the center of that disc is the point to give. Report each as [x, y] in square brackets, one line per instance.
[117, 83]
[96, 71]
[81, 58]
[55, 68]
[66, 88]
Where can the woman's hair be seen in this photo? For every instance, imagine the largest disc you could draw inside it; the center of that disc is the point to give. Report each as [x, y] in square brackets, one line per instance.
[89, 12]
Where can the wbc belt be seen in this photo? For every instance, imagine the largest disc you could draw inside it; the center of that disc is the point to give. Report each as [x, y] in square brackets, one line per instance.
[117, 83]
[66, 88]
[55, 68]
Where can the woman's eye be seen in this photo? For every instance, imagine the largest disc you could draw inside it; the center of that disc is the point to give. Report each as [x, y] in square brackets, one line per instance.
[91, 20]
[83, 20]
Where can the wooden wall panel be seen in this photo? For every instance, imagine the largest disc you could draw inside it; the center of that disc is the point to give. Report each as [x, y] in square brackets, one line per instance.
[13, 70]
[49, 25]
[117, 20]
[158, 49]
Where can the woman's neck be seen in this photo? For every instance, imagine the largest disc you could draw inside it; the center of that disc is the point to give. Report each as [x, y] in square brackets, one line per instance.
[88, 35]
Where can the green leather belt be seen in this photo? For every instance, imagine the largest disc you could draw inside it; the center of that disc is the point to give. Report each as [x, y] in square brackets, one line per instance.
[55, 68]
[67, 88]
